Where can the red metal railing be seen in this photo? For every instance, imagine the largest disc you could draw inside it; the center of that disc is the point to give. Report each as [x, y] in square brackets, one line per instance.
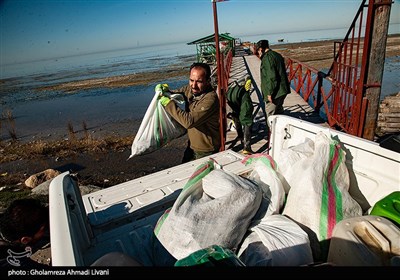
[226, 59]
[339, 94]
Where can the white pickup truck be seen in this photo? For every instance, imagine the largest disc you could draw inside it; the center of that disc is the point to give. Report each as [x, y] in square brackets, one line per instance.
[122, 218]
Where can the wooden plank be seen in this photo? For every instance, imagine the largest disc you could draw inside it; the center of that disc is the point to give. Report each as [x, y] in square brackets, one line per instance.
[389, 115]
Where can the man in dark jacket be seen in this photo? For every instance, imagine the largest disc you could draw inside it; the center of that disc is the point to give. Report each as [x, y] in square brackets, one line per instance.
[238, 98]
[201, 119]
[275, 84]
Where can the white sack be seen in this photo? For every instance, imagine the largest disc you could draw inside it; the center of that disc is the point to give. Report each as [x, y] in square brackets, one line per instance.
[265, 174]
[276, 241]
[157, 127]
[290, 160]
[319, 185]
[219, 214]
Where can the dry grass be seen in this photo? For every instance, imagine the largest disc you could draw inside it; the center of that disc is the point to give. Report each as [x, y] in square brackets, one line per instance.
[85, 130]
[71, 132]
[12, 151]
[8, 116]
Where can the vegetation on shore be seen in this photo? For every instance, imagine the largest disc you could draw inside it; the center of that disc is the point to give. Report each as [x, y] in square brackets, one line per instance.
[13, 151]
[145, 78]
[35, 151]
[12, 186]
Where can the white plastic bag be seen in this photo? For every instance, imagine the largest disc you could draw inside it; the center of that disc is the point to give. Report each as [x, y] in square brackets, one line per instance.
[276, 241]
[319, 188]
[265, 173]
[157, 128]
[214, 207]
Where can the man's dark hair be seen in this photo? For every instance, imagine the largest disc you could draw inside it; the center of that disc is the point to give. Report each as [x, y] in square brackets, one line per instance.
[205, 66]
[24, 217]
[264, 44]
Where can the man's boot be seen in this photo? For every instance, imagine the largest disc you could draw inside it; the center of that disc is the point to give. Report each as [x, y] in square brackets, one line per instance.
[239, 129]
[247, 139]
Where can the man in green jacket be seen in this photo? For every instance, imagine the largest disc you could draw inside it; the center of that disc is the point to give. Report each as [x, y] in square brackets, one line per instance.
[275, 84]
[238, 97]
[201, 119]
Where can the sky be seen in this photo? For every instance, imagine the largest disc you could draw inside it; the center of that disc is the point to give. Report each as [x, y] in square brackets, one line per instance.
[39, 29]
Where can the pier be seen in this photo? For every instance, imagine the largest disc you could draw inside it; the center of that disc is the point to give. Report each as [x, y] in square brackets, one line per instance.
[242, 65]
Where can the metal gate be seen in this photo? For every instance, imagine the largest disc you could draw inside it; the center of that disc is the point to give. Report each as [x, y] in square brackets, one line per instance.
[340, 95]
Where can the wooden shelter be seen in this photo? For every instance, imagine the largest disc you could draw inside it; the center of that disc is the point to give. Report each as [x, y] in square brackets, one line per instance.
[206, 51]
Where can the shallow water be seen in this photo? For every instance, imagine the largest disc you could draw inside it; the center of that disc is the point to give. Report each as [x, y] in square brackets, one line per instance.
[43, 117]
[41, 114]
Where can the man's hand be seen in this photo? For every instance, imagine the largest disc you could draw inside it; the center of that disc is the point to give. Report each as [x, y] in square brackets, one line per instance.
[161, 89]
[269, 98]
[164, 100]
[247, 85]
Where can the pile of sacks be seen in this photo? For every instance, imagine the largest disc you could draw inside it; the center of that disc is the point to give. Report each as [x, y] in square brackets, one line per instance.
[276, 216]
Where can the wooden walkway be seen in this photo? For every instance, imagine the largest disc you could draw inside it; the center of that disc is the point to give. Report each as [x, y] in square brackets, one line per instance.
[294, 105]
